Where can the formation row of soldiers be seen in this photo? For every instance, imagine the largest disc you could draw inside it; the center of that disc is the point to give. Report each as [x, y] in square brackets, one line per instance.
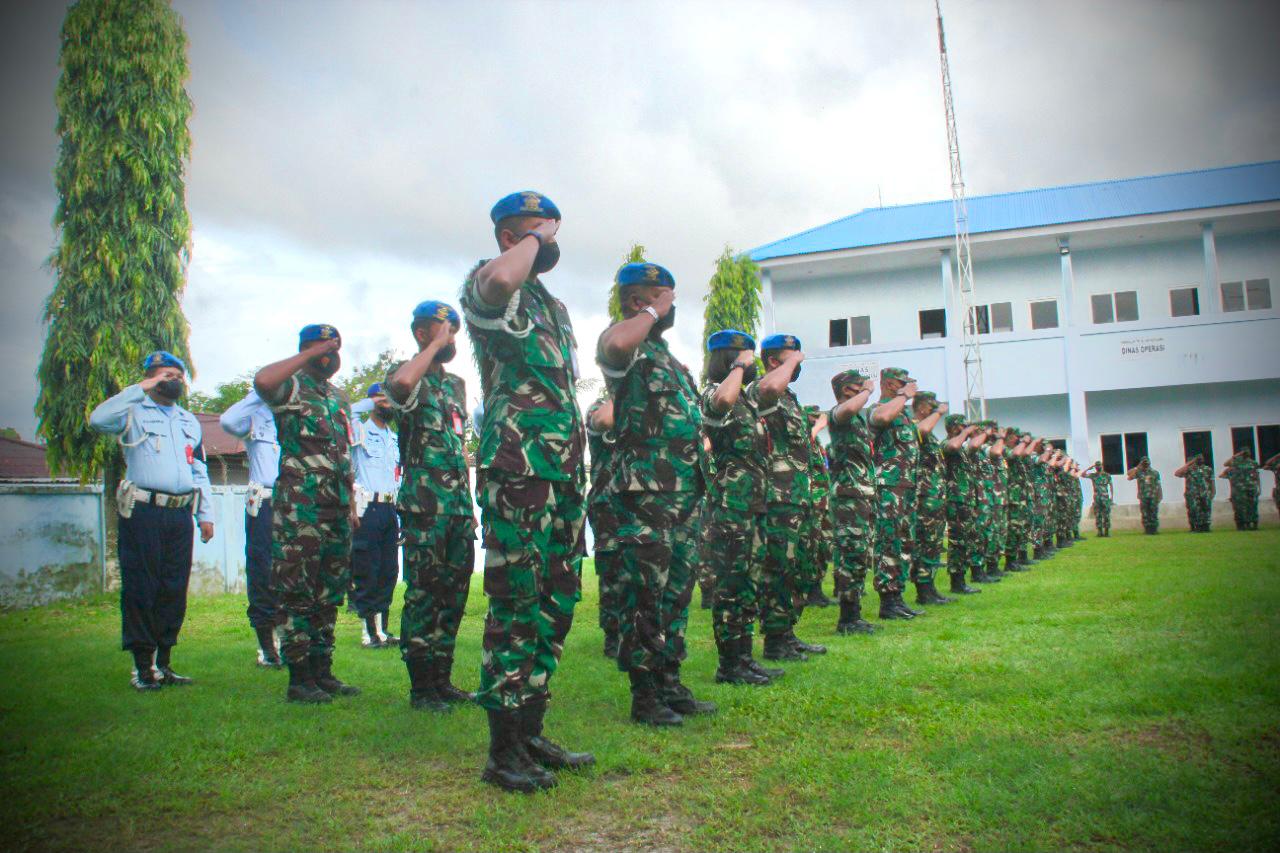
[733, 465]
[1240, 470]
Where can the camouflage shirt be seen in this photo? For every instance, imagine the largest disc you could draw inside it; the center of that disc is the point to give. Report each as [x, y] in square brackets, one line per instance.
[984, 477]
[1149, 485]
[788, 426]
[853, 462]
[1019, 480]
[527, 357]
[1243, 476]
[819, 476]
[897, 447]
[601, 446]
[433, 454]
[313, 427]
[931, 476]
[657, 423]
[1102, 488]
[959, 465]
[740, 451]
[1000, 490]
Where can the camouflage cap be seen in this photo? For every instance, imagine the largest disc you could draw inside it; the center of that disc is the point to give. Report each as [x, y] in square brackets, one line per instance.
[953, 421]
[925, 397]
[898, 373]
[852, 376]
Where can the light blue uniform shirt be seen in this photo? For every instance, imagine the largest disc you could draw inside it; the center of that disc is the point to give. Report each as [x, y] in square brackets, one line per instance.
[376, 456]
[158, 440]
[251, 421]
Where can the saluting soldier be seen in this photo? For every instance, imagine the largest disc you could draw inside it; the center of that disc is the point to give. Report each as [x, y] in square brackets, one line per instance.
[1197, 493]
[165, 480]
[1103, 495]
[1149, 494]
[656, 489]
[931, 496]
[375, 545]
[312, 509]
[251, 421]
[957, 457]
[604, 523]
[1015, 551]
[529, 486]
[437, 515]
[1241, 471]
[897, 447]
[817, 540]
[853, 496]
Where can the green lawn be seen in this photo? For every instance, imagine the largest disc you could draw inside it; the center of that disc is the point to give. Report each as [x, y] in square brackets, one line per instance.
[1125, 695]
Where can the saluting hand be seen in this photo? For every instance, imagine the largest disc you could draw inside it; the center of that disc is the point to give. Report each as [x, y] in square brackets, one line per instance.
[665, 299]
[160, 375]
[547, 229]
[746, 358]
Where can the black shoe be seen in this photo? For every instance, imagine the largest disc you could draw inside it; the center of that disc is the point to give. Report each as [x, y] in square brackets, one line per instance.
[423, 695]
[927, 593]
[144, 680]
[645, 706]
[446, 690]
[889, 608]
[817, 598]
[903, 607]
[612, 642]
[509, 766]
[803, 647]
[545, 752]
[677, 696]
[322, 672]
[778, 647]
[732, 671]
[302, 686]
[851, 621]
[749, 662]
[959, 587]
[370, 637]
[169, 678]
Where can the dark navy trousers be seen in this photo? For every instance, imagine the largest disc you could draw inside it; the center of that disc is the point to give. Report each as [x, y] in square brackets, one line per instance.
[257, 568]
[155, 546]
[375, 568]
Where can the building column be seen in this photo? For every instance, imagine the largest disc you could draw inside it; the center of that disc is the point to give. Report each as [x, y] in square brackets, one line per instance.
[1213, 293]
[766, 302]
[952, 355]
[1078, 444]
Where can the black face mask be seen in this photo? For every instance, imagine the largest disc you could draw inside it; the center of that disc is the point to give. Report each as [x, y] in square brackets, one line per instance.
[327, 365]
[749, 374]
[546, 259]
[796, 374]
[446, 353]
[663, 324]
[384, 410]
[169, 388]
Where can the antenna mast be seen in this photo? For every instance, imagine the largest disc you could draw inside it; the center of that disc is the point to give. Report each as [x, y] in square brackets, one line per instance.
[975, 400]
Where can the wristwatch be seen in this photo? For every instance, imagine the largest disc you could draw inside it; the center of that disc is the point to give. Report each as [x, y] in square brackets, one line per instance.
[652, 312]
[534, 234]
[737, 364]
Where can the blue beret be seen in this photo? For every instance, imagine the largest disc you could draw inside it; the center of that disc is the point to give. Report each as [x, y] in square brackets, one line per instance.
[780, 342]
[374, 390]
[730, 339]
[644, 273]
[317, 332]
[160, 358]
[526, 203]
[434, 309]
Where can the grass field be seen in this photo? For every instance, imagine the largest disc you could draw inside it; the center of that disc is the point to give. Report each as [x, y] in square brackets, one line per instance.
[1125, 695]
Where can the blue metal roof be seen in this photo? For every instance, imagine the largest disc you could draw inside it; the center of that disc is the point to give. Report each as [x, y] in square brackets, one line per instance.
[878, 226]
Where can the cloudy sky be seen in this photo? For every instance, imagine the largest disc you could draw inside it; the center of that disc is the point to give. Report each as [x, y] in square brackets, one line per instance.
[346, 154]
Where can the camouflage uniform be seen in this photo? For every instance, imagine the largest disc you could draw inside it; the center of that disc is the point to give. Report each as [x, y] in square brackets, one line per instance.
[1042, 519]
[1000, 511]
[1246, 484]
[897, 455]
[529, 488]
[735, 508]
[1062, 517]
[1019, 509]
[783, 579]
[604, 526]
[817, 533]
[311, 513]
[656, 488]
[931, 510]
[853, 504]
[1149, 495]
[437, 518]
[961, 510]
[706, 546]
[1102, 497]
[1197, 493]
[984, 488]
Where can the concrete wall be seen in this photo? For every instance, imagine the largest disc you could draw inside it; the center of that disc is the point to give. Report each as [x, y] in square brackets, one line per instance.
[51, 543]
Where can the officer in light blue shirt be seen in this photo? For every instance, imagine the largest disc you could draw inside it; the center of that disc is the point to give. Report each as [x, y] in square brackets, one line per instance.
[165, 481]
[375, 548]
[251, 421]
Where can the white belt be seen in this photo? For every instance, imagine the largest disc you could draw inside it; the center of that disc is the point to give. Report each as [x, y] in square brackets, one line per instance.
[163, 499]
[262, 491]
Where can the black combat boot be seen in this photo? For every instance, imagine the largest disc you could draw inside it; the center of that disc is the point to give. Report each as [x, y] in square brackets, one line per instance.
[543, 752]
[268, 654]
[903, 607]
[732, 670]
[645, 706]
[1011, 562]
[449, 693]
[509, 767]
[423, 693]
[803, 647]
[749, 662]
[611, 644]
[817, 598]
[993, 569]
[851, 621]
[778, 647]
[322, 670]
[144, 673]
[302, 686]
[167, 676]
[678, 697]
[889, 608]
[927, 593]
[959, 587]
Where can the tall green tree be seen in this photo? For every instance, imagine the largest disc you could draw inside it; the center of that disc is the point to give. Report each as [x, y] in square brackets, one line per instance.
[733, 297]
[124, 234]
[224, 396]
[634, 255]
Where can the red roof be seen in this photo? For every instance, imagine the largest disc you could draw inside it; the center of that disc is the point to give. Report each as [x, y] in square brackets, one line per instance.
[22, 460]
[217, 441]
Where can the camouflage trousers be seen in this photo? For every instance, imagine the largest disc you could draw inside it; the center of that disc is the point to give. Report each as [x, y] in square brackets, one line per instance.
[1199, 511]
[854, 519]
[1150, 510]
[439, 553]
[1063, 520]
[895, 534]
[960, 537]
[310, 570]
[1102, 515]
[657, 557]
[1244, 507]
[816, 542]
[737, 557]
[983, 532]
[931, 526]
[1019, 529]
[604, 530]
[706, 562]
[533, 540]
[998, 537]
[782, 578]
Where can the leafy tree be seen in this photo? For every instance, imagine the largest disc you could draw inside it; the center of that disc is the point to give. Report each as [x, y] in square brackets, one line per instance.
[357, 384]
[634, 255]
[124, 233]
[224, 396]
[733, 297]
[10, 432]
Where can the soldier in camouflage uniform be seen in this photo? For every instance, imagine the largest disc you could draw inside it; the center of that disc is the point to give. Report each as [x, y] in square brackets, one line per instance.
[931, 500]
[1241, 471]
[733, 407]
[1273, 465]
[656, 490]
[1043, 476]
[1103, 495]
[529, 486]
[1149, 494]
[604, 525]
[785, 579]
[1197, 493]
[853, 496]
[1015, 552]
[984, 488]
[313, 513]
[1077, 500]
[958, 463]
[817, 549]
[1000, 499]
[896, 441]
[437, 518]
[1062, 503]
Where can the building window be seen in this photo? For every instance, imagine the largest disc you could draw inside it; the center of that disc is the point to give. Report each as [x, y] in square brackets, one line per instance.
[1254, 294]
[1262, 441]
[933, 323]
[1120, 452]
[838, 336]
[860, 330]
[1198, 441]
[1058, 443]
[1118, 307]
[1184, 301]
[996, 317]
[1044, 314]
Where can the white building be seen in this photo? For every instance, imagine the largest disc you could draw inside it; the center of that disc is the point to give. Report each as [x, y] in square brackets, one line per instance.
[1128, 318]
